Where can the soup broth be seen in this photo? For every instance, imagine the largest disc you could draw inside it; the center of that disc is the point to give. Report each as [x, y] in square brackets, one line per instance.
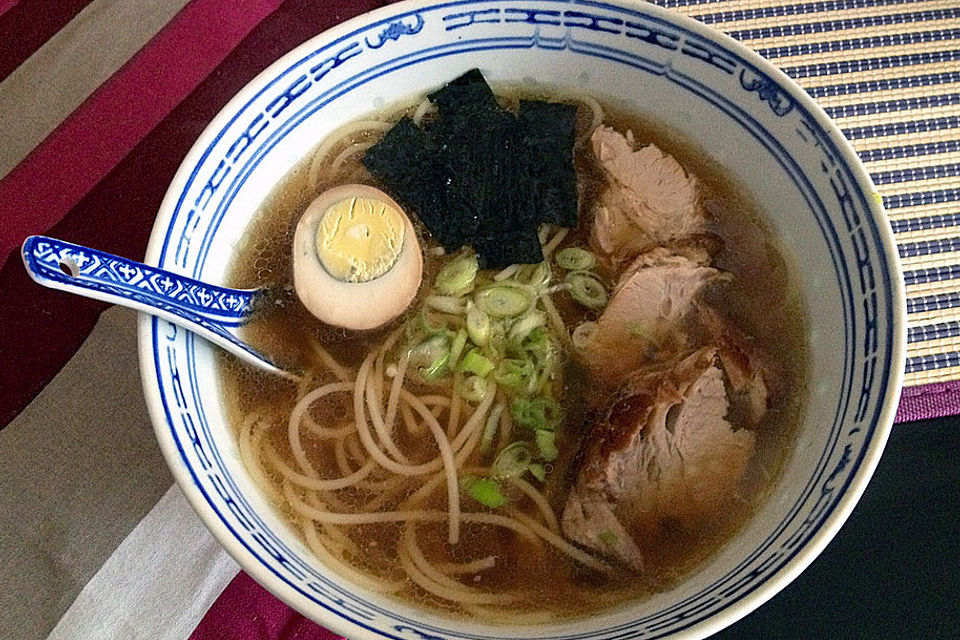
[497, 570]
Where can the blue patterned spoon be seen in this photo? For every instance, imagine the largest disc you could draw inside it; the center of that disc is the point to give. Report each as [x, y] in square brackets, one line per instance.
[208, 310]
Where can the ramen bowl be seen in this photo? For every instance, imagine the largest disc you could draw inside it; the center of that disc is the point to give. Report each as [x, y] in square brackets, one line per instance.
[766, 132]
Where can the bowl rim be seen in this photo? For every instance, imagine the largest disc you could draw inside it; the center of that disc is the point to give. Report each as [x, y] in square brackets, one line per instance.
[886, 248]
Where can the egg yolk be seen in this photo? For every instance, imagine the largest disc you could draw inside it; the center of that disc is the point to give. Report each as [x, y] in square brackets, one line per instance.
[359, 239]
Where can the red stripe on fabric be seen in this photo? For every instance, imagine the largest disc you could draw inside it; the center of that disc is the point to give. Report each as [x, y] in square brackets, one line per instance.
[6, 5]
[56, 175]
[27, 24]
[247, 611]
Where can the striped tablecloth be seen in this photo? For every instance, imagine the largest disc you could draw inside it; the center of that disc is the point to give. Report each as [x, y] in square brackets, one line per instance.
[99, 102]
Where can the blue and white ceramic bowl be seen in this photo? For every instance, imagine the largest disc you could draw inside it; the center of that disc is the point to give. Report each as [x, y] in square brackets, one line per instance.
[736, 106]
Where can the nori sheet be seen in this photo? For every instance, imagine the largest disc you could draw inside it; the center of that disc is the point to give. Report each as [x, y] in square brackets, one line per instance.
[480, 175]
[550, 130]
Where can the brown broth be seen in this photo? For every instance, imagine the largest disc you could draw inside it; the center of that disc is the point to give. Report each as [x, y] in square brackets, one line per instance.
[763, 300]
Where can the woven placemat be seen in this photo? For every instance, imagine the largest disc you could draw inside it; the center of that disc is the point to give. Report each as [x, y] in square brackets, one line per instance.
[888, 73]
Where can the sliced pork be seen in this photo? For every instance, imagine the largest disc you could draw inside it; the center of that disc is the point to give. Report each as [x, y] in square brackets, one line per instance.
[648, 198]
[750, 377]
[644, 321]
[666, 451]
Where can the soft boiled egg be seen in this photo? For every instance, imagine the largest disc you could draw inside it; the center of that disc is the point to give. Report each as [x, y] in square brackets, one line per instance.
[357, 262]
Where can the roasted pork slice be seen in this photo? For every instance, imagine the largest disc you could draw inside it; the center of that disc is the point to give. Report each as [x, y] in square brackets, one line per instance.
[699, 249]
[649, 308]
[648, 197]
[751, 378]
[665, 453]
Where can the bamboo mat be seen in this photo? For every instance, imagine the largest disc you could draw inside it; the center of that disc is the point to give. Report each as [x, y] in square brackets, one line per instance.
[888, 73]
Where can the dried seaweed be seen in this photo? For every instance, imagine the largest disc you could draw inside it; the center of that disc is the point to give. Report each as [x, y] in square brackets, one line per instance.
[479, 174]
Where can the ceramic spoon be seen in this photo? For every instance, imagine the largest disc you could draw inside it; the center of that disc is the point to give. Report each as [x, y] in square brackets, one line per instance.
[211, 311]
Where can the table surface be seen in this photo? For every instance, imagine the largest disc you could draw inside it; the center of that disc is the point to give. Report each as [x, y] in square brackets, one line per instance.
[91, 135]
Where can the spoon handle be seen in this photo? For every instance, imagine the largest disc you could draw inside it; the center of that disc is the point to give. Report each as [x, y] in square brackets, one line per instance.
[104, 276]
[206, 309]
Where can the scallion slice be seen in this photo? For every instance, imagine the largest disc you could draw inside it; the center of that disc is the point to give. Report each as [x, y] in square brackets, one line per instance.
[478, 325]
[583, 334]
[501, 301]
[575, 259]
[540, 413]
[512, 461]
[609, 538]
[523, 326]
[538, 471]
[546, 444]
[473, 389]
[456, 347]
[476, 363]
[486, 491]
[513, 373]
[535, 275]
[457, 276]
[490, 429]
[586, 289]
[427, 328]
[431, 357]
[446, 304]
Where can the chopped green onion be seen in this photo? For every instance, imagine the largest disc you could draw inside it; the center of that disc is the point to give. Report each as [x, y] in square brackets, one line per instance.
[512, 461]
[476, 363]
[490, 428]
[427, 328]
[537, 471]
[541, 347]
[586, 289]
[535, 275]
[513, 373]
[457, 276]
[546, 444]
[522, 327]
[583, 334]
[456, 347]
[538, 413]
[575, 259]
[609, 538]
[431, 357]
[496, 346]
[537, 344]
[446, 304]
[486, 491]
[502, 301]
[478, 325]
[473, 389]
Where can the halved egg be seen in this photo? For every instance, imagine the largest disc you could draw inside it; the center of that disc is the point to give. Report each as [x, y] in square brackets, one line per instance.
[357, 262]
